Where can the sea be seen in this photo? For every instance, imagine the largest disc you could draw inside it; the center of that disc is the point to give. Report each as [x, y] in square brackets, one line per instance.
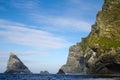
[56, 77]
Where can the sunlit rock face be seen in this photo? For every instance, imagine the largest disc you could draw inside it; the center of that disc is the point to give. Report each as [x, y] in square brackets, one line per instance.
[15, 65]
[99, 52]
[72, 65]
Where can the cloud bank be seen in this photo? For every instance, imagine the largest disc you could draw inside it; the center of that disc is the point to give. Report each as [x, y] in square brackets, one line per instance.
[62, 23]
[21, 34]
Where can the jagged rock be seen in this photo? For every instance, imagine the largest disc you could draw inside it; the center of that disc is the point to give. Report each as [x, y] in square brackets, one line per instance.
[61, 72]
[15, 65]
[99, 52]
[107, 41]
[44, 72]
[72, 65]
[107, 63]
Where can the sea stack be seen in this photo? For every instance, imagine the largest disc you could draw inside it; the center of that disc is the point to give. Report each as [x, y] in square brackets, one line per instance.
[16, 66]
[99, 52]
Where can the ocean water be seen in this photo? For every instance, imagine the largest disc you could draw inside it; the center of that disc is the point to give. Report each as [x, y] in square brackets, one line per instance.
[54, 77]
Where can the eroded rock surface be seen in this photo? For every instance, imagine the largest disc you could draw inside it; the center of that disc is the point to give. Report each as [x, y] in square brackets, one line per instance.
[15, 65]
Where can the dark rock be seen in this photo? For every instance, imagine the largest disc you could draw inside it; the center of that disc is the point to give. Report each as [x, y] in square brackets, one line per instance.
[108, 64]
[61, 72]
[15, 65]
[44, 72]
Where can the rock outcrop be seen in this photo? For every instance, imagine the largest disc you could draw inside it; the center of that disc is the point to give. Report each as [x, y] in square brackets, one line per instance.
[15, 65]
[44, 72]
[99, 52]
[60, 72]
[72, 65]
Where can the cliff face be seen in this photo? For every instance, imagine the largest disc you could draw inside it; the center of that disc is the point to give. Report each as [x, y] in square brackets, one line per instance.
[15, 65]
[100, 51]
[72, 65]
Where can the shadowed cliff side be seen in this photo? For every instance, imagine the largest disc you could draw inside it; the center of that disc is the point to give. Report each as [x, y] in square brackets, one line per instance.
[99, 53]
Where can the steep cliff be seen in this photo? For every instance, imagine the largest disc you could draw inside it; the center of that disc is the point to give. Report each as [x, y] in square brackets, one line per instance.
[15, 65]
[99, 52]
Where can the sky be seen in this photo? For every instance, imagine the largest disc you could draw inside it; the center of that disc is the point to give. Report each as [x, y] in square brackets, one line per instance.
[40, 32]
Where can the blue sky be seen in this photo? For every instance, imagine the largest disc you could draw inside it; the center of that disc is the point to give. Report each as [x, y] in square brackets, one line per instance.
[40, 32]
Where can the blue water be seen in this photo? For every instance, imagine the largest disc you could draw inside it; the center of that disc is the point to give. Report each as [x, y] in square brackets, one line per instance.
[54, 77]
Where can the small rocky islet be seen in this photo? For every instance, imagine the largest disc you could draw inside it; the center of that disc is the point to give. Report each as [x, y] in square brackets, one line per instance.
[16, 66]
[44, 72]
[98, 53]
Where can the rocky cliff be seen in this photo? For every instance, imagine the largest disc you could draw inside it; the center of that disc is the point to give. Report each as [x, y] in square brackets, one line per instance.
[99, 52]
[15, 65]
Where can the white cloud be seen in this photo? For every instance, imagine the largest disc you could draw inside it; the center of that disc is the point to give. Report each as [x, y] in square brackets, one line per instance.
[21, 34]
[17, 33]
[25, 4]
[5, 53]
[34, 12]
[62, 23]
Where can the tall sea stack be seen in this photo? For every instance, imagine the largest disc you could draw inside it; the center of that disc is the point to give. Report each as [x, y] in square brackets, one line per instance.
[15, 65]
[99, 52]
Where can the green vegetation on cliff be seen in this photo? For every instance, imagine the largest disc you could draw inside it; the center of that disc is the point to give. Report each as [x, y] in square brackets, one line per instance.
[99, 52]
